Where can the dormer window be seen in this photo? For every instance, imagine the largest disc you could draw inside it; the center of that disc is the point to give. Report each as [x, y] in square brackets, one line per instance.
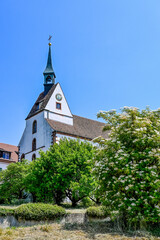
[58, 105]
[37, 106]
[34, 127]
[6, 155]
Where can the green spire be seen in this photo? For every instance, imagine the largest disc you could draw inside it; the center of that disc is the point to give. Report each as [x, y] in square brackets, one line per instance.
[49, 68]
[49, 75]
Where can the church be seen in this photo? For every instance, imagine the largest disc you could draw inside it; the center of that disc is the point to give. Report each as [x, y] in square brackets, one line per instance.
[51, 119]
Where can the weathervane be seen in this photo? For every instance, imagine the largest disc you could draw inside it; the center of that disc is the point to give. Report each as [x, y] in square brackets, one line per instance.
[49, 39]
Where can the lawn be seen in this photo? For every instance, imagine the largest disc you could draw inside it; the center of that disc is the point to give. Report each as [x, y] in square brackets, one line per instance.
[66, 232]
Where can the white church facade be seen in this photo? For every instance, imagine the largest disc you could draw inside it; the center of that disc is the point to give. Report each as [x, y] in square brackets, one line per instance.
[51, 119]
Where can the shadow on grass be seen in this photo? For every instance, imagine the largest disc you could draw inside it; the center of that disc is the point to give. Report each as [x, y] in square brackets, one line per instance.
[91, 229]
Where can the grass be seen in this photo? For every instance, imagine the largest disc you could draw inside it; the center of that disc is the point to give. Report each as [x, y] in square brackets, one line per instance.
[67, 232]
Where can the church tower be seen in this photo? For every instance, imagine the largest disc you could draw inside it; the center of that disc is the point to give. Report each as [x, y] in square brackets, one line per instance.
[50, 119]
[49, 74]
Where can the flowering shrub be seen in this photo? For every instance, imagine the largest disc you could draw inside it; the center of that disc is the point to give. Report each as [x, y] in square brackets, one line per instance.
[128, 164]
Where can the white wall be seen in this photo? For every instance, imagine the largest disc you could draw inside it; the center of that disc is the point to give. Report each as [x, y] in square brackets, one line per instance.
[59, 136]
[3, 165]
[62, 115]
[44, 131]
[43, 136]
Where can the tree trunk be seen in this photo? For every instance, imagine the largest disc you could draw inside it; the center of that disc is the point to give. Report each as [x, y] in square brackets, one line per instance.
[74, 202]
[33, 197]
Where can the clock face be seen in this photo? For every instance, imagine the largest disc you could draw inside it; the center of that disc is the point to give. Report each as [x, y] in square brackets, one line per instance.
[58, 96]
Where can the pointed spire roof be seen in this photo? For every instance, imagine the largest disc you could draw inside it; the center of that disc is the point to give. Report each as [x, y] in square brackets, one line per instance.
[49, 68]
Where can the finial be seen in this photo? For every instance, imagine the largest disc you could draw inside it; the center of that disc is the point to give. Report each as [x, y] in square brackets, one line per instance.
[49, 39]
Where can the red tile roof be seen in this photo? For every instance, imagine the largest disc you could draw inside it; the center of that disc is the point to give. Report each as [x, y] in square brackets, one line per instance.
[82, 127]
[10, 148]
[43, 99]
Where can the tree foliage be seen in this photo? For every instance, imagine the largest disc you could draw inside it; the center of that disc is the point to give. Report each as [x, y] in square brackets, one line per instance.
[128, 164]
[64, 170]
[13, 181]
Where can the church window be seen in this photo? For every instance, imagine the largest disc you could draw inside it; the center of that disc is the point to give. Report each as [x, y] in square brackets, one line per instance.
[54, 137]
[58, 105]
[33, 156]
[34, 144]
[34, 127]
[22, 156]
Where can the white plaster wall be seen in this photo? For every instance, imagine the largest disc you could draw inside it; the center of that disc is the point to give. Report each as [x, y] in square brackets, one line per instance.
[59, 136]
[65, 111]
[3, 165]
[59, 118]
[43, 136]
[44, 131]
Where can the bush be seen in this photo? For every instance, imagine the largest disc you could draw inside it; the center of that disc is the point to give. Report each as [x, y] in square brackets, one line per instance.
[128, 165]
[6, 211]
[39, 211]
[98, 212]
[86, 202]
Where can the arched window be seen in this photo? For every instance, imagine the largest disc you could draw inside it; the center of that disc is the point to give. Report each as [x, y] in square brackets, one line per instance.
[34, 127]
[22, 156]
[33, 156]
[34, 144]
[48, 79]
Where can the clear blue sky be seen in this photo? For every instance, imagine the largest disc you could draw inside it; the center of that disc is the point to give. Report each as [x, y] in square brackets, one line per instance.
[106, 55]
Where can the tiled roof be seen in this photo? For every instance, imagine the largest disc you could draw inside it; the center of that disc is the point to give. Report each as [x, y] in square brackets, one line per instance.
[82, 127]
[41, 101]
[10, 148]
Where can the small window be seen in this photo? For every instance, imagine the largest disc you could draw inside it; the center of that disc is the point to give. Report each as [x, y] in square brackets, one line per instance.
[34, 144]
[22, 156]
[6, 155]
[48, 79]
[33, 156]
[34, 127]
[58, 105]
[37, 106]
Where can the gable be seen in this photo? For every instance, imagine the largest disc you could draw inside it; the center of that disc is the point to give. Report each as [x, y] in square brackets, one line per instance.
[53, 101]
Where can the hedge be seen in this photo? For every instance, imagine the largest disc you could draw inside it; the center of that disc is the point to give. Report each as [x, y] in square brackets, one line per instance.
[6, 211]
[97, 212]
[35, 211]
[39, 211]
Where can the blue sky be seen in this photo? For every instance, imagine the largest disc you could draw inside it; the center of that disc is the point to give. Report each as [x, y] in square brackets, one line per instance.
[106, 55]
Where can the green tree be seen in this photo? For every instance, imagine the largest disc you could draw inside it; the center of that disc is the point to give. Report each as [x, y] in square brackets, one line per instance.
[65, 169]
[128, 164]
[13, 181]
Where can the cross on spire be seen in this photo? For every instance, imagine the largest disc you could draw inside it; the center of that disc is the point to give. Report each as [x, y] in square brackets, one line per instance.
[49, 39]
